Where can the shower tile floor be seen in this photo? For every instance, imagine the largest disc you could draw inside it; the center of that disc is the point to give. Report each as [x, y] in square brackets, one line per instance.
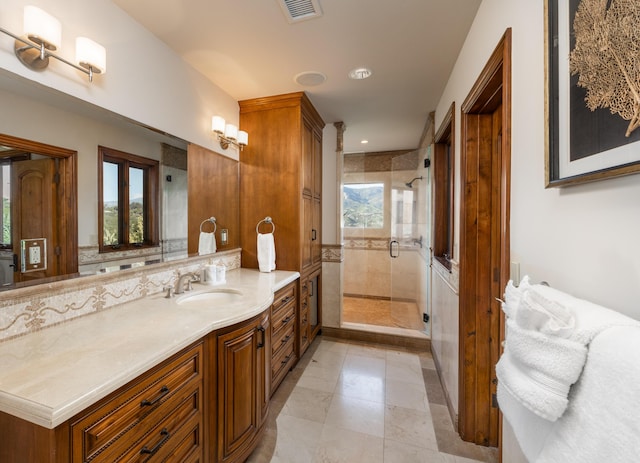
[355, 402]
[381, 312]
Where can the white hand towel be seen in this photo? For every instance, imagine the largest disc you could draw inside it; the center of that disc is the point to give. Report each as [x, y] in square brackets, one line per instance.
[266, 252]
[207, 243]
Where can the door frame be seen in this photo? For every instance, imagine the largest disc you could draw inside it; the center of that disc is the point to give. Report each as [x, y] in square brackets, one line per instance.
[66, 197]
[481, 328]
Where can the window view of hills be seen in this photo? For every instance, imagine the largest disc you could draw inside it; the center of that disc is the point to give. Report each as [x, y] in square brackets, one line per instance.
[363, 205]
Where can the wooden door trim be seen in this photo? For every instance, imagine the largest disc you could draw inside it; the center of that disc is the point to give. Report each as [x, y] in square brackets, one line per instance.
[492, 88]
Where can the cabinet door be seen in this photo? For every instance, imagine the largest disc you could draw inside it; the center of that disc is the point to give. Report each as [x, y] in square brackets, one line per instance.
[263, 379]
[308, 161]
[238, 417]
[315, 305]
[307, 232]
[317, 164]
[316, 227]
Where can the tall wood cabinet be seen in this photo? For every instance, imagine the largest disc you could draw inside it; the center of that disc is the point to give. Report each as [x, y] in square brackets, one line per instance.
[281, 177]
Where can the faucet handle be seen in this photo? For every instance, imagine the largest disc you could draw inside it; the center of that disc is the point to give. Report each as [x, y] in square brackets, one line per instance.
[169, 290]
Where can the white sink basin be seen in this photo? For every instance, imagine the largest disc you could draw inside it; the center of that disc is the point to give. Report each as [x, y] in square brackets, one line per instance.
[209, 297]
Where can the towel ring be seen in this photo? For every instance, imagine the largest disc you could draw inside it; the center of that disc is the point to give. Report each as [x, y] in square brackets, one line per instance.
[266, 220]
[211, 220]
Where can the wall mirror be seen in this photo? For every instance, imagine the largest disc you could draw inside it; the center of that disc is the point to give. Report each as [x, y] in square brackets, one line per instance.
[72, 130]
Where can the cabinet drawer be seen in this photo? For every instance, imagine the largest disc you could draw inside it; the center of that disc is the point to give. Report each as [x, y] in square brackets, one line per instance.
[283, 319]
[124, 418]
[283, 296]
[281, 362]
[283, 336]
[167, 436]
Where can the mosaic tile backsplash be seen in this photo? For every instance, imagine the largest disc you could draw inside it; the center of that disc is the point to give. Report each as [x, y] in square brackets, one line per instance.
[29, 309]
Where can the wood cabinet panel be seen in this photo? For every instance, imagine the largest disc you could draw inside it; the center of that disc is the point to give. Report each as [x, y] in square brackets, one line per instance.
[242, 388]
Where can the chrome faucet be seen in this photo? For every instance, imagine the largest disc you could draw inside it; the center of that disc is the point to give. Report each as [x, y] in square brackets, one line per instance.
[181, 282]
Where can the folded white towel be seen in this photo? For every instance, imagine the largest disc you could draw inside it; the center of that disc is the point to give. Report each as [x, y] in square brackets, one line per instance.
[207, 243]
[540, 313]
[602, 422]
[266, 252]
[538, 369]
[513, 294]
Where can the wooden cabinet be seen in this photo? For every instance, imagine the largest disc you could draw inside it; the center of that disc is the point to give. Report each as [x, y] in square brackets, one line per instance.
[283, 330]
[281, 177]
[243, 373]
[157, 418]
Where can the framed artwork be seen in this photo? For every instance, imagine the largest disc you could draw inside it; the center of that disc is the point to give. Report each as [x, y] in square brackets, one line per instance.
[592, 98]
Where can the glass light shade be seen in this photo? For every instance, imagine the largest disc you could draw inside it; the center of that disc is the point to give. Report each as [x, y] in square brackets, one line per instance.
[90, 54]
[42, 28]
[231, 132]
[217, 124]
[243, 138]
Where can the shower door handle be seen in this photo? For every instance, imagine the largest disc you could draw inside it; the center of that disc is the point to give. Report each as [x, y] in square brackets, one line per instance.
[394, 244]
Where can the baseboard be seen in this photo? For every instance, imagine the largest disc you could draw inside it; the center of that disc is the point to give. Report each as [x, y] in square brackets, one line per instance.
[347, 334]
[452, 411]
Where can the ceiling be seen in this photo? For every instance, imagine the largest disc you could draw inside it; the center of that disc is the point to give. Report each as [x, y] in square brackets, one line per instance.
[250, 49]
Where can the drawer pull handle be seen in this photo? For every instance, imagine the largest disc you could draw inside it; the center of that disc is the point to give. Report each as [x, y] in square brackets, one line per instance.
[287, 320]
[285, 339]
[285, 299]
[164, 390]
[150, 451]
[286, 359]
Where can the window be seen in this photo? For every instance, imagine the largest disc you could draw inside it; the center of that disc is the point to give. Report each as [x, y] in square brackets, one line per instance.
[128, 186]
[363, 205]
[443, 175]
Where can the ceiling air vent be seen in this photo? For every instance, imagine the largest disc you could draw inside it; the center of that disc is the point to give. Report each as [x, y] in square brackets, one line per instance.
[300, 10]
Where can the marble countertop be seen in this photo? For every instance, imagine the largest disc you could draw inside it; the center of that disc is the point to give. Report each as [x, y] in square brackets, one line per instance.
[48, 376]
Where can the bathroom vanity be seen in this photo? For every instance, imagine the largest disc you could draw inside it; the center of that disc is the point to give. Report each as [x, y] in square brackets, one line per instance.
[184, 379]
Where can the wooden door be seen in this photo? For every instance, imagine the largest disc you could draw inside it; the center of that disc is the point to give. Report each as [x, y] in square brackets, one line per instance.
[316, 239]
[307, 158]
[34, 212]
[263, 377]
[484, 243]
[317, 165]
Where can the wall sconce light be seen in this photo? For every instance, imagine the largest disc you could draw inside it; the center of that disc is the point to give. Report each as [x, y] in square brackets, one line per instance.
[43, 36]
[228, 134]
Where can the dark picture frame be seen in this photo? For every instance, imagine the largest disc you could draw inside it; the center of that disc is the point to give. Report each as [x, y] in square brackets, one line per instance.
[581, 145]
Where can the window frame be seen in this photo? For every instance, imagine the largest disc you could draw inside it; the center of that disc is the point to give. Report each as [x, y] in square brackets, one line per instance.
[444, 189]
[151, 170]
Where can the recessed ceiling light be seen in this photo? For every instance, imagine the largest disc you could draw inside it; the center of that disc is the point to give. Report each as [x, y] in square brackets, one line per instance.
[310, 78]
[364, 142]
[360, 73]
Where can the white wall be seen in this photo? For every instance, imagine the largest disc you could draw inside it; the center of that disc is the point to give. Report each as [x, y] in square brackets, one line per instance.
[145, 80]
[581, 239]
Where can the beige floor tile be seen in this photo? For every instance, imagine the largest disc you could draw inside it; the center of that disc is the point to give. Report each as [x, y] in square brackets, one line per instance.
[406, 395]
[339, 445]
[369, 366]
[409, 373]
[410, 427]
[367, 351]
[320, 379]
[400, 452]
[358, 415]
[297, 439]
[361, 386]
[308, 404]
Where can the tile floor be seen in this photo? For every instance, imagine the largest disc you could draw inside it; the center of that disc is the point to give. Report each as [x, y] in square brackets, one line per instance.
[352, 402]
[382, 312]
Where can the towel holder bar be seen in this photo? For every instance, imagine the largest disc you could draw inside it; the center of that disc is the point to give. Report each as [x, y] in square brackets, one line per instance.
[210, 220]
[268, 220]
